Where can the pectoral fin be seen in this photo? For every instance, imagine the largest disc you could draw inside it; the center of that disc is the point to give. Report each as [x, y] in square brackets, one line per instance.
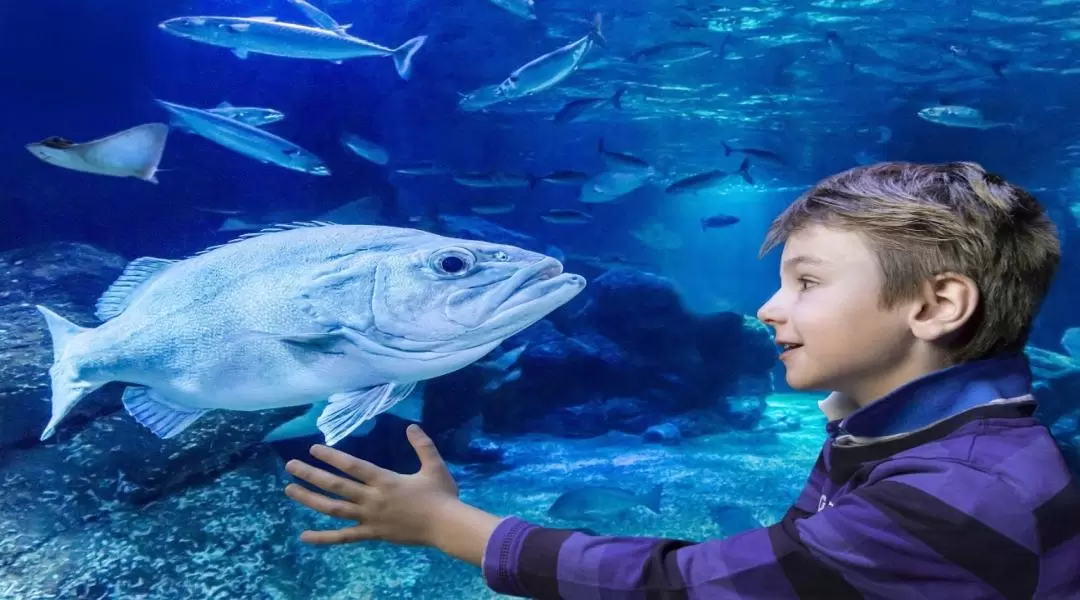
[326, 343]
[152, 411]
[349, 410]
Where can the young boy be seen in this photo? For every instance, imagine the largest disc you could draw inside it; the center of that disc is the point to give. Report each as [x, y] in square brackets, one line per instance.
[907, 289]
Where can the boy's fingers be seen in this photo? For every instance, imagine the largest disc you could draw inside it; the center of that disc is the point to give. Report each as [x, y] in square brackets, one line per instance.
[425, 448]
[327, 506]
[327, 481]
[338, 536]
[358, 468]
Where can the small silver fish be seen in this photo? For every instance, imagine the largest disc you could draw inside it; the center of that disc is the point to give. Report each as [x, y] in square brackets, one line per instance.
[365, 149]
[134, 152]
[247, 140]
[567, 216]
[952, 115]
[525, 9]
[495, 179]
[548, 70]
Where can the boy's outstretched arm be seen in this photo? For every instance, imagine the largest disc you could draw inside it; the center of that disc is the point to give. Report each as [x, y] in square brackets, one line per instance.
[891, 538]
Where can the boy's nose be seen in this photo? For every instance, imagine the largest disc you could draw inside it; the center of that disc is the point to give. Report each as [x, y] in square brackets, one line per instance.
[770, 312]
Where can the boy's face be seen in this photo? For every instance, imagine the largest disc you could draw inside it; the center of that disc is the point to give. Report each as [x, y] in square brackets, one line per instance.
[828, 306]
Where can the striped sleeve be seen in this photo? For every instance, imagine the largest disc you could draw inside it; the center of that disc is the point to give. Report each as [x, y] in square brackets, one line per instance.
[936, 533]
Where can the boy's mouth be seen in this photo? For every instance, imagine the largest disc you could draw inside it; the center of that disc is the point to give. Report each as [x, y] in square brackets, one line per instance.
[788, 346]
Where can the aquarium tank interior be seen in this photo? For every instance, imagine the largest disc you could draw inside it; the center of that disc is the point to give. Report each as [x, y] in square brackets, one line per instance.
[624, 158]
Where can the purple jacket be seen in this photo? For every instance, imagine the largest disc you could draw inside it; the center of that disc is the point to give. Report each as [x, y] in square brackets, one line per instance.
[946, 488]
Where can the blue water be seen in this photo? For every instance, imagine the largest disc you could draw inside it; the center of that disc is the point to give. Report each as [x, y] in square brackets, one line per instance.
[96, 514]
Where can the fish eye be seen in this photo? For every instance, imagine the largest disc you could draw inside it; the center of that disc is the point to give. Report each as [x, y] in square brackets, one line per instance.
[501, 256]
[455, 261]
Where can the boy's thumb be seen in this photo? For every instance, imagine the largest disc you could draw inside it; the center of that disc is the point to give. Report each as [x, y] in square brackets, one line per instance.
[425, 448]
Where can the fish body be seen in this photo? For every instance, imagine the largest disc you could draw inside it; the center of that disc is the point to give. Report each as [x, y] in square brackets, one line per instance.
[592, 502]
[620, 160]
[303, 313]
[566, 177]
[422, 168]
[134, 152]
[249, 115]
[247, 140]
[567, 216]
[267, 35]
[495, 179]
[718, 221]
[365, 149]
[578, 106]
[708, 180]
[548, 70]
[958, 116]
[768, 155]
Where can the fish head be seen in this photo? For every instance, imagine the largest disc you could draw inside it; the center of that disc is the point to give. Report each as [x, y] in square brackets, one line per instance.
[481, 98]
[453, 295]
[205, 29]
[51, 151]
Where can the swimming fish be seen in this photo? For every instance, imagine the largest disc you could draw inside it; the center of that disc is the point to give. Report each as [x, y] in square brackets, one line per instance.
[708, 179]
[576, 107]
[595, 501]
[365, 149]
[567, 216]
[319, 17]
[299, 314]
[248, 115]
[134, 152]
[718, 221]
[267, 35]
[959, 116]
[550, 69]
[247, 140]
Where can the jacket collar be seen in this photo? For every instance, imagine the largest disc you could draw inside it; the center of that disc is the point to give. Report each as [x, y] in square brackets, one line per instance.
[931, 398]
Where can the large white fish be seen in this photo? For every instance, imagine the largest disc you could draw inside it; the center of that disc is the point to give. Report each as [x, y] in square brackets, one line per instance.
[303, 313]
[134, 152]
[267, 35]
[245, 139]
[959, 116]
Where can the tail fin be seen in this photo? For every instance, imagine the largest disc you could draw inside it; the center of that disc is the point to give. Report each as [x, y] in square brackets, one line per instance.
[403, 55]
[651, 499]
[744, 170]
[616, 100]
[67, 387]
[727, 149]
[597, 33]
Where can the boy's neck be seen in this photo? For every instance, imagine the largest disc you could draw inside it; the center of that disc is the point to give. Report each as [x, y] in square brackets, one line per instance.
[916, 366]
[934, 396]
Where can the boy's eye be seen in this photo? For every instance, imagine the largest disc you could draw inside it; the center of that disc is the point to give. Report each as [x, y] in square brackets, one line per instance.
[806, 283]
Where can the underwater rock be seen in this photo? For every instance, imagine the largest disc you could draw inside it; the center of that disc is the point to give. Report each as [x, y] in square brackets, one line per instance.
[664, 433]
[744, 412]
[68, 278]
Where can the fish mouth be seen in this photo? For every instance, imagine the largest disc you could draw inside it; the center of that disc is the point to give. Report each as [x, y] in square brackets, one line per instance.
[531, 294]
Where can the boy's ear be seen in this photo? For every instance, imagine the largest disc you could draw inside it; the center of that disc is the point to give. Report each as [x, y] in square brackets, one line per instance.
[945, 304]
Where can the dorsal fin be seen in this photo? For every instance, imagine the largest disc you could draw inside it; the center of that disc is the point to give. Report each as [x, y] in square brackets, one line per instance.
[135, 275]
[224, 104]
[272, 229]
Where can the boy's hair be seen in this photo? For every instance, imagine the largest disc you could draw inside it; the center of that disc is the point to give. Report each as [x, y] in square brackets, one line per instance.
[925, 219]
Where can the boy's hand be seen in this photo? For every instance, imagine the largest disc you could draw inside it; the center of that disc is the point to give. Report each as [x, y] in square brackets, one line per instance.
[404, 509]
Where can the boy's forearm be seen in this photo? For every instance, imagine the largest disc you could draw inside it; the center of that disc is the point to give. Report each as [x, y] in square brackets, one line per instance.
[462, 531]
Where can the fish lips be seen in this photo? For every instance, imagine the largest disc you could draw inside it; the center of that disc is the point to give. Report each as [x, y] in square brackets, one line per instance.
[513, 303]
